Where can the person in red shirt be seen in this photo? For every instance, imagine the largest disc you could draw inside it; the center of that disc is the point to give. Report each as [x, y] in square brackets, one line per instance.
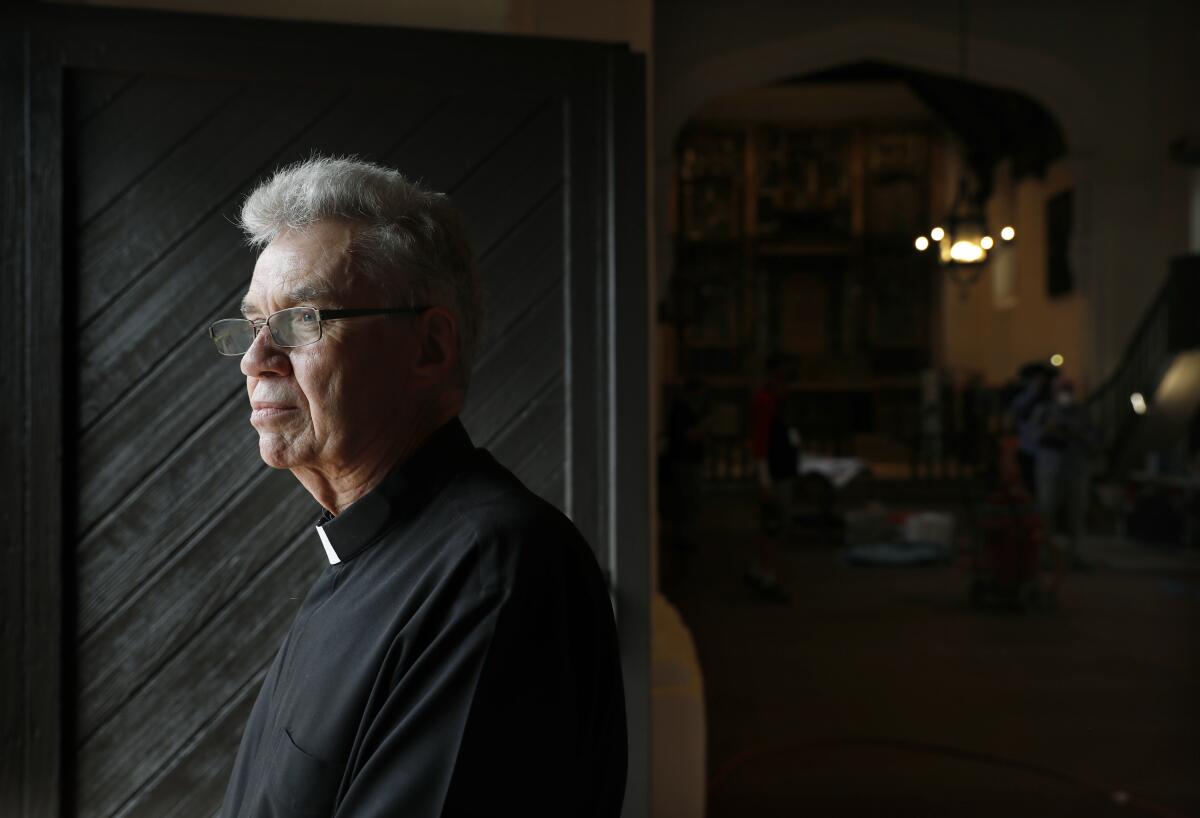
[775, 470]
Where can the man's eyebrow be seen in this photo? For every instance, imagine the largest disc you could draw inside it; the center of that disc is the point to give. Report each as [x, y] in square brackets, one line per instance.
[307, 293]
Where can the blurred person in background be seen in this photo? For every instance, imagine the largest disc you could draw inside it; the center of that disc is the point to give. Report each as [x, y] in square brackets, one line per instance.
[775, 472]
[1065, 443]
[1034, 392]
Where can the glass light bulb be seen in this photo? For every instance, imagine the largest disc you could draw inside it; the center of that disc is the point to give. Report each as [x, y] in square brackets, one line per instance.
[937, 234]
[966, 252]
[986, 242]
[921, 243]
[1007, 233]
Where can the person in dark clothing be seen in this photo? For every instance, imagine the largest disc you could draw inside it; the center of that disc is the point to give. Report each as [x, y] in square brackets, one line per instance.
[1065, 446]
[1034, 392]
[457, 655]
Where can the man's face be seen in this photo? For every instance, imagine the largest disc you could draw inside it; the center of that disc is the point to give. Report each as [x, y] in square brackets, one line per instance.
[324, 406]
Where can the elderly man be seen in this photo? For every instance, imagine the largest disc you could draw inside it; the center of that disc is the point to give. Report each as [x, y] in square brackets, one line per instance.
[457, 654]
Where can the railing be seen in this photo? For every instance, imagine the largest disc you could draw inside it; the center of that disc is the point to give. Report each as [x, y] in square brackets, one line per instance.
[1169, 326]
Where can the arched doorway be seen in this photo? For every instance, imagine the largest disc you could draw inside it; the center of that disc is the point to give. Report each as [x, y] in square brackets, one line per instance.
[920, 47]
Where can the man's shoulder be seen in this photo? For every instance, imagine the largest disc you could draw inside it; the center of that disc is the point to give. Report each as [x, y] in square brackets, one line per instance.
[514, 532]
[486, 493]
[498, 506]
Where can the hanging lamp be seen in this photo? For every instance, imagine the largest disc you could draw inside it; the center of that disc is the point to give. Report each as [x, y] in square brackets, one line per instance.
[962, 238]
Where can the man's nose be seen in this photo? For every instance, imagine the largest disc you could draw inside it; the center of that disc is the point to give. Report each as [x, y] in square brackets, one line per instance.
[263, 358]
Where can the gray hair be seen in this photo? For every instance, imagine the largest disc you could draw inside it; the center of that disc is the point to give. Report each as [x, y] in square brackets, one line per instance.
[410, 240]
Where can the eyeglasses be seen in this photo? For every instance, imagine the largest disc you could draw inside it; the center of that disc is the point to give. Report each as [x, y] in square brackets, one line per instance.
[293, 327]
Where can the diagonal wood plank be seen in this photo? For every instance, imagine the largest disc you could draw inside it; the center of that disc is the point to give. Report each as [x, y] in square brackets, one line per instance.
[516, 367]
[512, 180]
[170, 305]
[147, 526]
[177, 601]
[186, 694]
[533, 443]
[455, 139]
[159, 210]
[89, 92]
[151, 420]
[524, 264]
[110, 156]
[193, 782]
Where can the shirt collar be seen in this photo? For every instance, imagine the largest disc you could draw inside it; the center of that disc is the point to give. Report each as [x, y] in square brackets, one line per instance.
[406, 489]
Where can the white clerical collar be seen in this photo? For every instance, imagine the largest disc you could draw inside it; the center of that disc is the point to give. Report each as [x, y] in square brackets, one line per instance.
[334, 559]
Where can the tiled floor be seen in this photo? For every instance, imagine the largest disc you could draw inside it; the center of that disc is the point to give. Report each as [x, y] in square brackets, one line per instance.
[882, 692]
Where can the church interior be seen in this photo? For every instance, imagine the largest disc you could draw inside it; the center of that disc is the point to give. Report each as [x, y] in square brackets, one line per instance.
[910, 236]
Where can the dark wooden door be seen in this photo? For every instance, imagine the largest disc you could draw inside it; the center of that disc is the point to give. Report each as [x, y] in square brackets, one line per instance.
[183, 556]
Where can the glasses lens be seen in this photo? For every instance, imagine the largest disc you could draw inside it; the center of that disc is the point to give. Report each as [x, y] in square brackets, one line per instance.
[295, 327]
[233, 336]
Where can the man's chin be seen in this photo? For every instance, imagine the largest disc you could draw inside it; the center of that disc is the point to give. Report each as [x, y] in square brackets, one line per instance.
[276, 453]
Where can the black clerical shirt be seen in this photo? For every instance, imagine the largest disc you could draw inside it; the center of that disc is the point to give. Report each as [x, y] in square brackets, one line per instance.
[457, 657]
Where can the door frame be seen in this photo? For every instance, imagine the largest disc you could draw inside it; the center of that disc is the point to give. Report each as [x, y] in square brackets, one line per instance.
[607, 323]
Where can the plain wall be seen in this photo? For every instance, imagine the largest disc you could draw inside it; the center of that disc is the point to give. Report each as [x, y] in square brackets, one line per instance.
[994, 333]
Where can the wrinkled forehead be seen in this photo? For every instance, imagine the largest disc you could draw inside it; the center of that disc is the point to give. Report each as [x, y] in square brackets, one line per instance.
[302, 267]
[263, 301]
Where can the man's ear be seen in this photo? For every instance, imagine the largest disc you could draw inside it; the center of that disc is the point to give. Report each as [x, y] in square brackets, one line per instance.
[437, 358]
